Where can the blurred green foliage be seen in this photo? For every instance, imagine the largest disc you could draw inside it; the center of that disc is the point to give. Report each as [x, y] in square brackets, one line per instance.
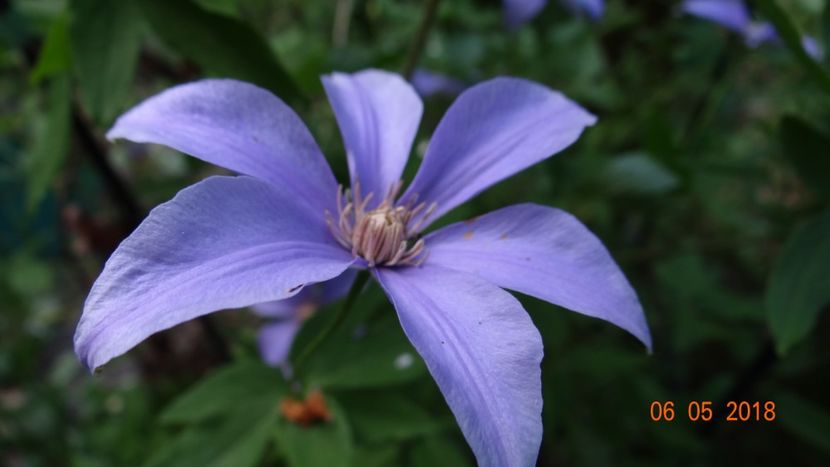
[707, 177]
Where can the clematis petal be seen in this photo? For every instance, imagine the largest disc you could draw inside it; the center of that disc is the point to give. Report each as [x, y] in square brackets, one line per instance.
[492, 131]
[314, 294]
[275, 339]
[546, 253]
[519, 12]
[226, 242]
[378, 113]
[238, 126]
[286, 308]
[483, 351]
[337, 288]
[757, 33]
[732, 14]
[593, 8]
[812, 47]
[429, 83]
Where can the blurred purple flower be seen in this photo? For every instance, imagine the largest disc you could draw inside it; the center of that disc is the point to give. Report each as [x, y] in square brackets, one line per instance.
[429, 83]
[284, 317]
[230, 242]
[735, 16]
[812, 47]
[732, 14]
[593, 8]
[519, 12]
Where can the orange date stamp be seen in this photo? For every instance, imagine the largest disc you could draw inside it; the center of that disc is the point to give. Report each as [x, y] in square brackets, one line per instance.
[703, 411]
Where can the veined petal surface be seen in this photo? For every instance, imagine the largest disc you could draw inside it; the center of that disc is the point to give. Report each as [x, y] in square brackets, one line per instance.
[238, 126]
[226, 242]
[492, 131]
[314, 294]
[378, 113]
[546, 253]
[286, 308]
[483, 351]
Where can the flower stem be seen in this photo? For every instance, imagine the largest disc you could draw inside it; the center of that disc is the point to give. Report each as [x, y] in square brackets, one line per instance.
[342, 21]
[351, 298]
[420, 41]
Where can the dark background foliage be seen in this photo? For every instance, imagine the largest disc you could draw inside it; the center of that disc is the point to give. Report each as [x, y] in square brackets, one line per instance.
[708, 178]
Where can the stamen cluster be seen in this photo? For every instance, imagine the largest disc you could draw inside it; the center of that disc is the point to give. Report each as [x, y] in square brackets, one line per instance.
[383, 235]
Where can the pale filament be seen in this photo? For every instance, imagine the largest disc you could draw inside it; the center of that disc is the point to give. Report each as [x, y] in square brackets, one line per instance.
[381, 236]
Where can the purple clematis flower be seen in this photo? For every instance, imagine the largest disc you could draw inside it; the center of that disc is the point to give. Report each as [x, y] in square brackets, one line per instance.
[430, 83]
[735, 16]
[283, 224]
[593, 8]
[284, 317]
[519, 12]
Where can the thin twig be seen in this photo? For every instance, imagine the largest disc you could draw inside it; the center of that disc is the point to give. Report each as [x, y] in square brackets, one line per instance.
[116, 186]
[342, 23]
[421, 36]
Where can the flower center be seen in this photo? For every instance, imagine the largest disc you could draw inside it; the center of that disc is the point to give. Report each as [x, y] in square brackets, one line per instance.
[382, 236]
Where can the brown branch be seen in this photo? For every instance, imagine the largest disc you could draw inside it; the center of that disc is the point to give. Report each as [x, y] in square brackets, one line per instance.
[116, 186]
[421, 36]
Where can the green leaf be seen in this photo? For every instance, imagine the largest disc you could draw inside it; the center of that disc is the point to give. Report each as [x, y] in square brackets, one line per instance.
[381, 416]
[221, 45]
[638, 174]
[434, 451]
[223, 391]
[805, 419]
[809, 151]
[224, 7]
[319, 444]
[799, 285]
[369, 349]
[31, 278]
[106, 40]
[365, 355]
[238, 441]
[55, 56]
[51, 142]
[792, 38]
[376, 456]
